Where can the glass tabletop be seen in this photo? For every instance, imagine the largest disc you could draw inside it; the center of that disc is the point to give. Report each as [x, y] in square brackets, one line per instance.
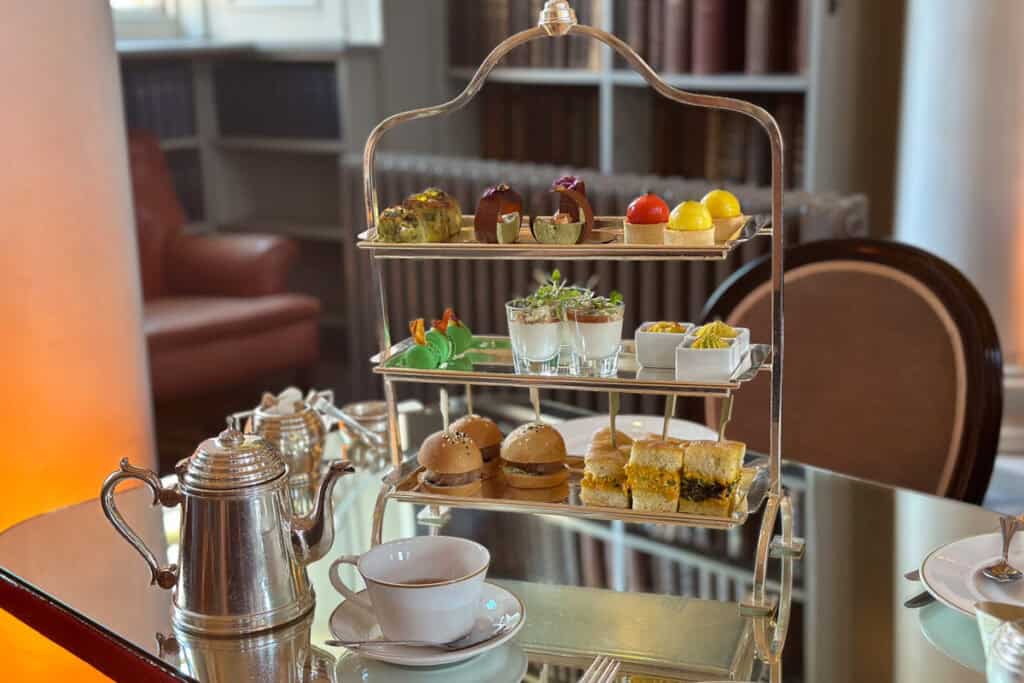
[662, 598]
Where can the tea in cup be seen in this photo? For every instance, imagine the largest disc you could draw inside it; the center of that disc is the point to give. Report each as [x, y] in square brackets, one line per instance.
[425, 588]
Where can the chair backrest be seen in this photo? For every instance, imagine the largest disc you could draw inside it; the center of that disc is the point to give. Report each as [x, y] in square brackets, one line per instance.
[893, 370]
[159, 216]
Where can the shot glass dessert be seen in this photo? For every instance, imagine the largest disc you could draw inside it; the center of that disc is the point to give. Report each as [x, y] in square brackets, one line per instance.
[533, 329]
[597, 335]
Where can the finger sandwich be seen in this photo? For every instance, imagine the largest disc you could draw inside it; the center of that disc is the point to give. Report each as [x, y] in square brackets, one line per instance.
[604, 473]
[653, 474]
[711, 471]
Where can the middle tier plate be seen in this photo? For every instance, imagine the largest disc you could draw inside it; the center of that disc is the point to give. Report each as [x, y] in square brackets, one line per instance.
[492, 366]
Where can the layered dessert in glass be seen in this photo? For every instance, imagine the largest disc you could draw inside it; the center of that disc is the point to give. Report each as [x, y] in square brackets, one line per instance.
[533, 329]
[596, 323]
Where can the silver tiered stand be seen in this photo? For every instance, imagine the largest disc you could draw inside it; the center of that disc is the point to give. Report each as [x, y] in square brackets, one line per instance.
[770, 617]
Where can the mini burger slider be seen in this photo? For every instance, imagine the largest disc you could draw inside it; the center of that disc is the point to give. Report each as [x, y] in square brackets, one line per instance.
[604, 473]
[486, 436]
[452, 464]
[533, 457]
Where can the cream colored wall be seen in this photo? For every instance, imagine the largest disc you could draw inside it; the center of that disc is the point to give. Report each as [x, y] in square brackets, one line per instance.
[354, 22]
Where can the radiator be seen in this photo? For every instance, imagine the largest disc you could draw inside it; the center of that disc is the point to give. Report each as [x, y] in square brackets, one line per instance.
[478, 290]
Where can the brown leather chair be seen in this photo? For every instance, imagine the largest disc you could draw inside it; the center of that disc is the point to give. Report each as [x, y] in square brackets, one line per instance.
[893, 370]
[216, 311]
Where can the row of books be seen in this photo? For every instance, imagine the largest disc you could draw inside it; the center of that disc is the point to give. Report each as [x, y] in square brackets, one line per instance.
[540, 124]
[716, 36]
[278, 99]
[726, 146]
[475, 27]
[158, 97]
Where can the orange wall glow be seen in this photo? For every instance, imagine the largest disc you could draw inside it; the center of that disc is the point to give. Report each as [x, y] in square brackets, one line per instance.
[73, 390]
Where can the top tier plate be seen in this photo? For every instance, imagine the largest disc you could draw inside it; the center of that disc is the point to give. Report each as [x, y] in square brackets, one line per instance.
[607, 243]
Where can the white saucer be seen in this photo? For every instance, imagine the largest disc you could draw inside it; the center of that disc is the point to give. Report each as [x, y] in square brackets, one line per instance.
[354, 622]
[504, 664]
[578, 432]
[953, 634]
[953, 575]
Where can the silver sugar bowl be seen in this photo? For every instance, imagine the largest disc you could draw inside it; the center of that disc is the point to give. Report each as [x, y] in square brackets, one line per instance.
[298, 426]
[242, 551]
[1006, 655]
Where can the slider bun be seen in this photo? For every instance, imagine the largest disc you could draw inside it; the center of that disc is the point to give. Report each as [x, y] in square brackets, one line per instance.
[536, 481]
[482, 430]
[450, 453]
[533, 443]
[491, 469]
[470, 490]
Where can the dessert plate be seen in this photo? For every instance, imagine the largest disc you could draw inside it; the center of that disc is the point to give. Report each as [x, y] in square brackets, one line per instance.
[351, 621]
[952, 573]
[578, 432]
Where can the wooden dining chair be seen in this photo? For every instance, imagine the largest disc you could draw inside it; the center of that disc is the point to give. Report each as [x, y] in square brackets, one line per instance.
[893, 370]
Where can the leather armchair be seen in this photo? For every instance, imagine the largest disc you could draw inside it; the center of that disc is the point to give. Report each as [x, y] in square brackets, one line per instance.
[216, 311]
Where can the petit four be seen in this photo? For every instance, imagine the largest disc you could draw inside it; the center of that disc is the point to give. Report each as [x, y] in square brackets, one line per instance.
[652, 474]
[604, 470]
[711, 472]
[498, 215]
[565, 203]
[690, 225]
[399, 225]
[646, 220]
[439, 214]
[574, 220]
[656, 343]
[557, 229]
[726, 213]
[442, 346]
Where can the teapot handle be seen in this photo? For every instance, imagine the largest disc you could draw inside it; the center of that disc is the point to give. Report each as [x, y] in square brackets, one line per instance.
[165, 577]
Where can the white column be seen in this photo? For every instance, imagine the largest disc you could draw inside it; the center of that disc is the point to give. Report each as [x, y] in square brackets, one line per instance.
[75, 394]
[961, 171]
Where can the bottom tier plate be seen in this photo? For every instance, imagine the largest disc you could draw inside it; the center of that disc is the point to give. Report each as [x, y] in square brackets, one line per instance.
[495, 496]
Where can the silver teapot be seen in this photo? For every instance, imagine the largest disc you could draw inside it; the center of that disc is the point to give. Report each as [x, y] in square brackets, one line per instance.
[242, 551]
[297, 426]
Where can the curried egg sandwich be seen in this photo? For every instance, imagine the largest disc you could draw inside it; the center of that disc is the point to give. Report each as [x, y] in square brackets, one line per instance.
[711, 470]
[652, 474]
[604, 473]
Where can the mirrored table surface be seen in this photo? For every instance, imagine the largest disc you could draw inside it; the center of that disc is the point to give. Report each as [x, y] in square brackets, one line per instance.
[663, 599]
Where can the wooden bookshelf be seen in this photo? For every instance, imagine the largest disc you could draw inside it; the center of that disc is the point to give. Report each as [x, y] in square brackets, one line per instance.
[777, 68]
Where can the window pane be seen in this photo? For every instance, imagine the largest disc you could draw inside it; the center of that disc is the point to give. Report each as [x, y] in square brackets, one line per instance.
[137, 4]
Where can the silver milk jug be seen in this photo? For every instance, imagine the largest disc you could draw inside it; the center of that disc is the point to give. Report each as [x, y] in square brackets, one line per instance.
[242, 551]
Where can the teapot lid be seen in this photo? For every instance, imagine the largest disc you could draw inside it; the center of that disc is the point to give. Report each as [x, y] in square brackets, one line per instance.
[231, 460]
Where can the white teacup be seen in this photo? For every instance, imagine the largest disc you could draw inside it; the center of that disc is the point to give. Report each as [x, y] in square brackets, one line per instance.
[424, 588]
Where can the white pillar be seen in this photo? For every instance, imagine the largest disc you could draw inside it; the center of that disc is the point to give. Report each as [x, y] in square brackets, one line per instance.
[961, 168]
[75, 394]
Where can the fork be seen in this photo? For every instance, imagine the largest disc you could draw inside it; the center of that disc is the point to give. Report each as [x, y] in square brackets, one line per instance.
[603, 669]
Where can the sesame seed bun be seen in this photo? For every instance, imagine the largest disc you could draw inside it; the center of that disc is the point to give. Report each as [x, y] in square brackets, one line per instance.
[450, 453]
[533, 443]
[482, 430]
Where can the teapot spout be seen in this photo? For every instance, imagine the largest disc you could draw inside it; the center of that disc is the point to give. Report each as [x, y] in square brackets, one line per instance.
[313, 535]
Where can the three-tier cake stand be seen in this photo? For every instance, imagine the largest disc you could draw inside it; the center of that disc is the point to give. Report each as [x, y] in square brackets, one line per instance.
[769, 615]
